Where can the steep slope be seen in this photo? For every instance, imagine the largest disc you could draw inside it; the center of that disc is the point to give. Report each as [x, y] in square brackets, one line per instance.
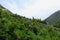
[2, 7]
[54, 19]
[15, 27]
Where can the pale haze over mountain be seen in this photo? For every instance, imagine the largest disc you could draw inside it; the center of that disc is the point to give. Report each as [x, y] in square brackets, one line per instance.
[54, 18]
[32, 8]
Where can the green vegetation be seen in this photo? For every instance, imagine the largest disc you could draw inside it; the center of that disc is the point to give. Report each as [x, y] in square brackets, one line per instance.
[15, 27]
[54, 19]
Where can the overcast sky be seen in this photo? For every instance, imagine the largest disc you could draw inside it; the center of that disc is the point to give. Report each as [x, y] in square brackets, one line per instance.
[32, 8]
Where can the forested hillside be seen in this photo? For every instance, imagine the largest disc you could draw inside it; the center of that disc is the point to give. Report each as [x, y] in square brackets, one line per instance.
[54, 19]
[16, 27]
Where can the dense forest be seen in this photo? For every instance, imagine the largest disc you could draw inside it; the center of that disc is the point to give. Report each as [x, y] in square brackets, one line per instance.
[16, 27]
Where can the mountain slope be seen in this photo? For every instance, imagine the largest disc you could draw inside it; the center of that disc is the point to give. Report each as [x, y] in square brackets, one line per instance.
[54, 18]
[15, 27]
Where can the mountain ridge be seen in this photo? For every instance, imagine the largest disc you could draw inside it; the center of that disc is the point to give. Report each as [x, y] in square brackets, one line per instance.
[54, 18]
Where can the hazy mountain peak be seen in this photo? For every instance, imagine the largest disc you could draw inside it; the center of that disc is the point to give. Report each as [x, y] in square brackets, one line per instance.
[54, 18]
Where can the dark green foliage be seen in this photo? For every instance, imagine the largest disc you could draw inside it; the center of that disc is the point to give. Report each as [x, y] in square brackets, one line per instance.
[15, 27]
[57, 25]
[2, 38]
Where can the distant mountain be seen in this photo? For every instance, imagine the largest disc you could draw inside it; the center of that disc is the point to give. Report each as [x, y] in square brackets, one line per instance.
[54, 19]
[16, 27]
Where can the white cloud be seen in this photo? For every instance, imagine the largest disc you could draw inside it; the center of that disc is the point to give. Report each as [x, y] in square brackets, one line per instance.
[38, 7]
[34, 8]
[12, 6]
